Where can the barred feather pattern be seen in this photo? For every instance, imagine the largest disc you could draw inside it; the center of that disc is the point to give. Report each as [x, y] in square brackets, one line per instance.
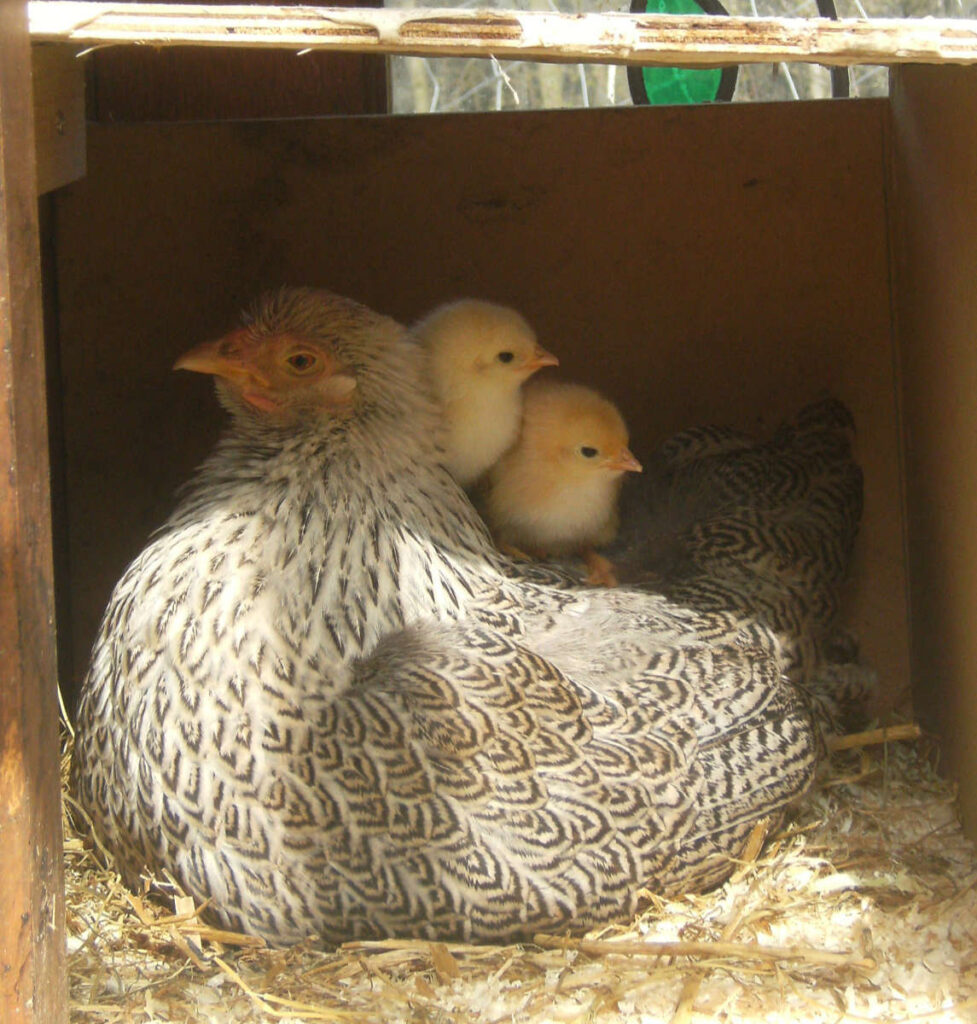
[766, 529]
[324, 702]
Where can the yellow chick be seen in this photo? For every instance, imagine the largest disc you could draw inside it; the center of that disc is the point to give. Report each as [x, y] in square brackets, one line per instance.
[480, 355]
[555, 492]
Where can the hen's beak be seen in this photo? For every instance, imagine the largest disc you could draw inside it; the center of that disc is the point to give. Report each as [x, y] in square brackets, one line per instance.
[624, 462]
[233, 358]
[223, 358]
[540, 359]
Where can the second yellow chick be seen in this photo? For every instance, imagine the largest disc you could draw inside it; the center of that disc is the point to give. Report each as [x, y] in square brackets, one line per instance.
[555, 492]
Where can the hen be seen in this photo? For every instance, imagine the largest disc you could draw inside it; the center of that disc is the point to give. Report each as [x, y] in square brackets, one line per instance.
[480, 355]
[323, 701]
[554, 493]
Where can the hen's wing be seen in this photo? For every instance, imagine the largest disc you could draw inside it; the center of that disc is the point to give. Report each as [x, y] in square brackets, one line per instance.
[765, 530]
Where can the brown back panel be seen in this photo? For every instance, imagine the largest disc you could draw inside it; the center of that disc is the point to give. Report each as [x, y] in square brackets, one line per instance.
[195, 83]
[700, 265]
[934, 113]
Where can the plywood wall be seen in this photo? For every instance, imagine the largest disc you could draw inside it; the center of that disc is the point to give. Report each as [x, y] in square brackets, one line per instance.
[193, 83]
[935, 164]
[721, 264]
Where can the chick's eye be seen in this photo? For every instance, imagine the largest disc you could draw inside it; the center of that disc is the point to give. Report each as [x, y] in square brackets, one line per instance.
[587, 452]
[505, 357]
[301, 362]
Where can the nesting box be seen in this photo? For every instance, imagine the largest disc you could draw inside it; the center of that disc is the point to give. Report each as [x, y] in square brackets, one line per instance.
[718, 264]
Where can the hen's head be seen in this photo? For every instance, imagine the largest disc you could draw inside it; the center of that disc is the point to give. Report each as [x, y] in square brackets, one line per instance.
[476, 344]
[301, 355]
[575, 429]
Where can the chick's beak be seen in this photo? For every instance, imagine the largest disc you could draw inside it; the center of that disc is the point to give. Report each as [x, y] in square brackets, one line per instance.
[624, 462]
[539, 359]
[223, 358]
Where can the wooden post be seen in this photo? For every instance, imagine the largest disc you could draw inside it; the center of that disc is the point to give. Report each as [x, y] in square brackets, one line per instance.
[32, 975]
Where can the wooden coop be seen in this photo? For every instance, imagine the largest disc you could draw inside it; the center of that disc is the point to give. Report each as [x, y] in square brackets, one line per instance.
[718, 263]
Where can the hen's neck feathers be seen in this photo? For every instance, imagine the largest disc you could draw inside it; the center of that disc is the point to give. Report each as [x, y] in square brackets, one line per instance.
[360, 498]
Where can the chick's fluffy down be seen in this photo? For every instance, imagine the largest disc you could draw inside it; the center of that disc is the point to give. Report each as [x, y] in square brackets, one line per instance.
[479, 356]
[555, 492]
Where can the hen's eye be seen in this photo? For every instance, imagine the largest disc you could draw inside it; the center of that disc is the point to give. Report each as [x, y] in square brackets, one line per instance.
[301, 362]
[587, 452]
[505, 357]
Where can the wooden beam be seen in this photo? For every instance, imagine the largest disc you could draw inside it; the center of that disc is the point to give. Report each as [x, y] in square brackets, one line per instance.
[934, 164]
[32, 967]
[614, 38]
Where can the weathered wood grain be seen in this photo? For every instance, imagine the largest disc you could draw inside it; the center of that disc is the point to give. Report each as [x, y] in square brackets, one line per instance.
[32, 987]
[611, 38]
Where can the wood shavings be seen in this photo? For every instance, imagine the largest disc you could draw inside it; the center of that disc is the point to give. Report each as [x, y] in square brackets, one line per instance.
[863, 908]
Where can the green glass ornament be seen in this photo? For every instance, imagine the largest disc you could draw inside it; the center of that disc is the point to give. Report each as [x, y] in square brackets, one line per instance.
[663, 85]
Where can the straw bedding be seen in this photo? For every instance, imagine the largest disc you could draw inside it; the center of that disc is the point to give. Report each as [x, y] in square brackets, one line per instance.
[864, 907]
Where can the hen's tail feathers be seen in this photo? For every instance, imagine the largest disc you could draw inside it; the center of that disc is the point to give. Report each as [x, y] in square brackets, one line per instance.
[839, 697]
[762, 529]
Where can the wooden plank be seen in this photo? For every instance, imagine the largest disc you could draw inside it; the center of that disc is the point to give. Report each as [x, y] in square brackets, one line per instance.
[613, 38]
[32, 969]
[935, 211]
[59, 116]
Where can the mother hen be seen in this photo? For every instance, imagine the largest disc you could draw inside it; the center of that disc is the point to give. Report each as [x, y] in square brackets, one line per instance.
[323, 701]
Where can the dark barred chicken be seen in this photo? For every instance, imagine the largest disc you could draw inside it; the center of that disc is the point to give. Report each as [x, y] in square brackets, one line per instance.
[325, 703]
[721, 521]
